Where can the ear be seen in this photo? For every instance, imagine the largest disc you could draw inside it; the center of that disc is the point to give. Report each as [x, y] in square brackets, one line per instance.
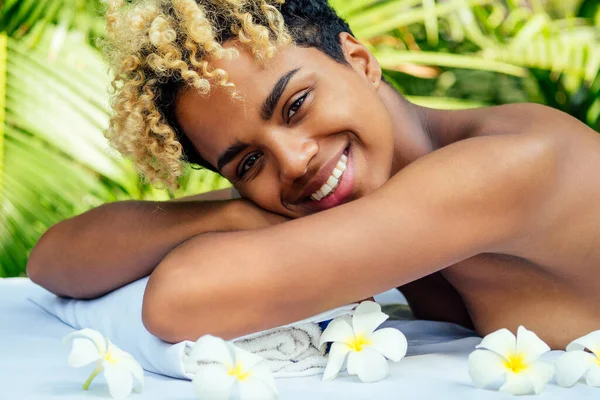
[360, 58]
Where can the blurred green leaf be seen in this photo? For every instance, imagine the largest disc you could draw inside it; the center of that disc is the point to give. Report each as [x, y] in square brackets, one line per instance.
[56, 161]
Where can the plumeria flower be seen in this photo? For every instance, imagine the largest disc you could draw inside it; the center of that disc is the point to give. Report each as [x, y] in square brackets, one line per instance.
[513, 359]
[228, 372]
[121, 370]
[577, 363]
[366, 348]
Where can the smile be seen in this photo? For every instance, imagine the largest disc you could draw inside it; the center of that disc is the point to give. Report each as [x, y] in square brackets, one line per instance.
[332, 183]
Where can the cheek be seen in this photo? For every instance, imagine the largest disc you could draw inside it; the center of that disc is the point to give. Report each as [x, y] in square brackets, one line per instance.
[354, 106]
[265, 193]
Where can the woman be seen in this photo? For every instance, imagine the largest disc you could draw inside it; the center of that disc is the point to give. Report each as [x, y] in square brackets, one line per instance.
[486, 217]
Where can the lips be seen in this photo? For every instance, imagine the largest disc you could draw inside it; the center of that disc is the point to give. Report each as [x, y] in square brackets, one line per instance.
[321, 177]
[344, 189]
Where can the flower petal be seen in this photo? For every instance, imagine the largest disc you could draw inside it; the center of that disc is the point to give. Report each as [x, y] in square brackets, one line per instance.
[368, 364]
[501, 342]
[129, 363]
[83, 352]
[365, 323]
[256, 389]
[539, 374]
[590, 341]
[571, 366]
[517, 383]
[530, 345]
[88, 346]
[94, 336]
[367, 307]
[244, 358]
[119, 380]
[212, 382]
[338, 330]
[337, 355]
[367, 317]
[211, 349]
[115, 352]
[263, 372]
[593, 376]
[390, 342]
[485, 367]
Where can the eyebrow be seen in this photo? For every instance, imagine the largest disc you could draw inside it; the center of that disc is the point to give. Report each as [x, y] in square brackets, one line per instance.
[268, 107]
[267, 110]
[231, 153]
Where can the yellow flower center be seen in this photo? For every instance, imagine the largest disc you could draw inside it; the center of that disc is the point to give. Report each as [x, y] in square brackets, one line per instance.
[109, 358]
[238, 373]
[598, 360]
[358, 342]
[515, 363]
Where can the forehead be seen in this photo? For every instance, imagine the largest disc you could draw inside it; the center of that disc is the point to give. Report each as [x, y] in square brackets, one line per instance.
[215, 121]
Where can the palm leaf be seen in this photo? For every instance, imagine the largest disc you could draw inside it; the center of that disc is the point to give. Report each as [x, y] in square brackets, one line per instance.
[552, 48]
[56, 161]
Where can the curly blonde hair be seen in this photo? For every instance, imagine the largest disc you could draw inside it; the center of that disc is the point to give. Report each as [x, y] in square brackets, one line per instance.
[154, 47]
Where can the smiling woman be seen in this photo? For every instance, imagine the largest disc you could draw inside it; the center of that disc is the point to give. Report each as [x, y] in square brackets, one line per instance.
[348, 188]
[281, 143]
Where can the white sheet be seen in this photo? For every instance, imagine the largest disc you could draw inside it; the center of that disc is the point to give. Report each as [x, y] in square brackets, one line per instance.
[118, 315]
[33, 364]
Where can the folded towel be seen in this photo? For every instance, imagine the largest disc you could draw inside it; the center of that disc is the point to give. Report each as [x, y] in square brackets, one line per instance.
[290, 350]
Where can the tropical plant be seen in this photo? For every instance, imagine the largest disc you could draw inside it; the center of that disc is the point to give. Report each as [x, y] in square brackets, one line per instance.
[54, 159]
[486, 51]
[55, 162]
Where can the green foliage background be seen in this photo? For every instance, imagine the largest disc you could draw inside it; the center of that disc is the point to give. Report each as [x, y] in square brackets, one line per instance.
[55, 162]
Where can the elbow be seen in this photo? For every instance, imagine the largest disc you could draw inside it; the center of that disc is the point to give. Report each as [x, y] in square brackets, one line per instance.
[39, 268]
[166, 305]
[46, 271]
[186, 298]
[35, 264]
[157, 323]
[156, 317]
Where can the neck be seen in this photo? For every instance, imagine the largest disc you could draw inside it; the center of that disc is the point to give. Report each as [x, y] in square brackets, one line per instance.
[412, 137]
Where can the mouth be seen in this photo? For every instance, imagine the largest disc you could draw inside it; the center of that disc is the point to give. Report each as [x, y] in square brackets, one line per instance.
[333, 181]
[337, 187]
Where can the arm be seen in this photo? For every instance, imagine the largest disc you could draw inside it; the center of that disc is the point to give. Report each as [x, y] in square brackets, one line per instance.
[432, 297]
[107, 247]
[468, 198]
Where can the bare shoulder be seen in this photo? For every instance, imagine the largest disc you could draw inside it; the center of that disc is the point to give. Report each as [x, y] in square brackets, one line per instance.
[530, 119]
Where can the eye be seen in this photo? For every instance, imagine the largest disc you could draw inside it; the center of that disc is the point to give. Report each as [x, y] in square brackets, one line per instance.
[248, 163]
[296, 106]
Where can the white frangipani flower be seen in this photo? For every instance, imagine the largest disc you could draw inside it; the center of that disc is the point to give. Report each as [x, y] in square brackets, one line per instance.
[121, 370]
[577, 363]
[228, 372]
[366, 348]
[513, 359]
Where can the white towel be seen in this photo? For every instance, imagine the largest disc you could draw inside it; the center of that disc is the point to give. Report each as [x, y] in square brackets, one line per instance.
[290, 350]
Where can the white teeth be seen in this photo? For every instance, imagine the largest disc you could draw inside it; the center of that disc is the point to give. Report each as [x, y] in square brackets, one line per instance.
[333, 181]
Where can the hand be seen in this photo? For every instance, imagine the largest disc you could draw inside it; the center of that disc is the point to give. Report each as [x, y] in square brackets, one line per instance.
[245, 215]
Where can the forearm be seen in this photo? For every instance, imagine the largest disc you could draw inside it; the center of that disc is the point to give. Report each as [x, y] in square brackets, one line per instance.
[112, 245]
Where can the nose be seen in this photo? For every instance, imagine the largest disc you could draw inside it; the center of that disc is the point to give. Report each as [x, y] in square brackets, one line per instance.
[293, 155]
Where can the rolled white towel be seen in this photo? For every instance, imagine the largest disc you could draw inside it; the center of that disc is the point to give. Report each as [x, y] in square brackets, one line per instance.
[290, 351]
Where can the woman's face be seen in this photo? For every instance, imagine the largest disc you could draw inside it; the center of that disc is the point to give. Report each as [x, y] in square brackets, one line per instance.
[305, 121]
